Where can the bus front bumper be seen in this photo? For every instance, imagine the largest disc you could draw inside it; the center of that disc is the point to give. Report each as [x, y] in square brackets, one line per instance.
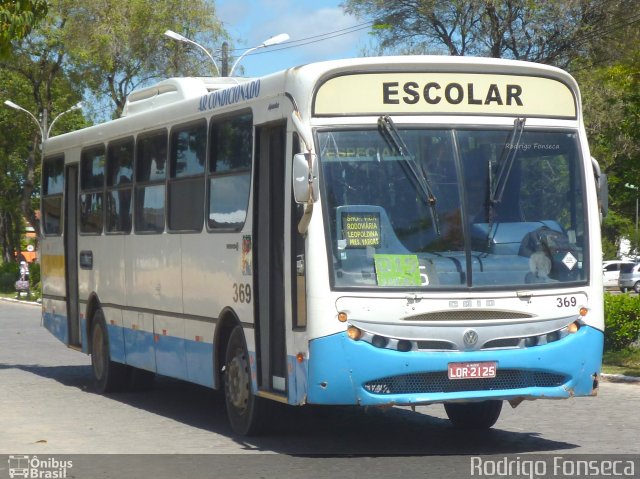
[343, 371]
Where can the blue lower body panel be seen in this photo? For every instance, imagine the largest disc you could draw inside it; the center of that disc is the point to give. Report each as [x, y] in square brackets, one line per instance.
[343, 371]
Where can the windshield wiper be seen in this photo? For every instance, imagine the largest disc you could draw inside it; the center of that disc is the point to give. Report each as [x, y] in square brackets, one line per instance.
[393, 137]
[497, 187]
[506, 161]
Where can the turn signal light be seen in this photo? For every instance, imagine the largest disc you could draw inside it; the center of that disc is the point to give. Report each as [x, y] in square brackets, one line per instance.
[573, 328]
[342, 317]
[354, 333]
[584, 311]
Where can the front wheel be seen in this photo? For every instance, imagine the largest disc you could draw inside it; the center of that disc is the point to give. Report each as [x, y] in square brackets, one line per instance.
[247, 412]
[108, 376]
[474, 415]
[636, 287]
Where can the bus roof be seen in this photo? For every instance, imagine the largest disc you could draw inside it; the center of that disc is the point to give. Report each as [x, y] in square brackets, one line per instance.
[303, 83]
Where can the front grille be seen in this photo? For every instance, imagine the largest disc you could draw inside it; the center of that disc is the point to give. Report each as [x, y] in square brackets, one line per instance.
[439, 382]
[468, 315]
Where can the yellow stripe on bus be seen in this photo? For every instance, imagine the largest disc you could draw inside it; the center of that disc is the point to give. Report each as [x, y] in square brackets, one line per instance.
[52, 265]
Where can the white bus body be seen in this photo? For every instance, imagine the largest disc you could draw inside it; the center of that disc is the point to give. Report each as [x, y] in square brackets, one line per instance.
[450, 246]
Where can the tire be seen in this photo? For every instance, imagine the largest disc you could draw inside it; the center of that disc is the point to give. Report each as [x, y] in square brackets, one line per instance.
[636, 287]
[474, 415]
[623, 290]
[108, 376]
[247, 412]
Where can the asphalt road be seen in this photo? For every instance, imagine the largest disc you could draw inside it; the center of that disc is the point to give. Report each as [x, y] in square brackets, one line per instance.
[48, 409]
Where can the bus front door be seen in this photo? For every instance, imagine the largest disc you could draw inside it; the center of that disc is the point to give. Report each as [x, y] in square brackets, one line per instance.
[269, 238]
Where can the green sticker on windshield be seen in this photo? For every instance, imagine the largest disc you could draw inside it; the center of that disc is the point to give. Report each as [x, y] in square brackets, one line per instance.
[397, 269]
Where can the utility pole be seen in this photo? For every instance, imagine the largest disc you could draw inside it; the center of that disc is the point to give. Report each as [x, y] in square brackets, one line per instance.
[635, 239]
[225, 59]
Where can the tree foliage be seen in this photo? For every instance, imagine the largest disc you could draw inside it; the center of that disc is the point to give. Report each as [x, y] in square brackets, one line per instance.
[609, 78]
[125, 47]
[17, 18]
[546, 32]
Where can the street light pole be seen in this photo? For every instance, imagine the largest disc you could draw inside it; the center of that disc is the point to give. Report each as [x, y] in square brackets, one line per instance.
[180, 38]
[283, 37]
[43, 129]
[77, 106]
[635, 239]
[15, 106]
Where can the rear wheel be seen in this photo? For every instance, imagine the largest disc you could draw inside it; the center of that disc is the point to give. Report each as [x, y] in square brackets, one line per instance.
[623, 290]
[108, 376]
[474, 415]
[246, 411]
[636, 287]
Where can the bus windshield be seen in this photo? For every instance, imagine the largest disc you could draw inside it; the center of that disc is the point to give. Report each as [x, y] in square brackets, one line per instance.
[497, 212]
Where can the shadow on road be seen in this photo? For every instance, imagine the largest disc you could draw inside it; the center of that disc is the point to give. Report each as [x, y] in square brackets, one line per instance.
[315, 430]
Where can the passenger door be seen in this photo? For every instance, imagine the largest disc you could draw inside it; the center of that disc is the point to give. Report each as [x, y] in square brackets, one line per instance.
[269, 254]
[71, 252]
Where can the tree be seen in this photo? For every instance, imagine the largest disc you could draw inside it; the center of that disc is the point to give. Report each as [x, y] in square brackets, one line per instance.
[545, 32]
[17, 18]
[609, 78]
[125, 47]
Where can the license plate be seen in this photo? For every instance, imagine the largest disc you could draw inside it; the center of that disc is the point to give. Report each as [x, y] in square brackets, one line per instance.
[483, 370]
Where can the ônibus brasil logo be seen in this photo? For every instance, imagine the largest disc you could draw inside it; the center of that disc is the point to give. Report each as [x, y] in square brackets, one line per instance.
[35, 468]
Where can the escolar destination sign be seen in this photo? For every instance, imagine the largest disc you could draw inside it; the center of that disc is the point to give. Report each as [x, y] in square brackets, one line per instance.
[445, 93]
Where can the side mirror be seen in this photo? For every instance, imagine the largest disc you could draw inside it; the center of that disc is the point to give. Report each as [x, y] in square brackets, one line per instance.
[602, 185]
[305, 177]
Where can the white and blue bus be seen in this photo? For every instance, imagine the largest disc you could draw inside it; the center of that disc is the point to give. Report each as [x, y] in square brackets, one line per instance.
[372, 232]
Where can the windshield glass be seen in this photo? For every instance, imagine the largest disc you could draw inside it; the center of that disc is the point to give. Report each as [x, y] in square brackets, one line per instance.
[386, 231]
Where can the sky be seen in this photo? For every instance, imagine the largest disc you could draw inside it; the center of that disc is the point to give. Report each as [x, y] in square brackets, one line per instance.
[318, 30]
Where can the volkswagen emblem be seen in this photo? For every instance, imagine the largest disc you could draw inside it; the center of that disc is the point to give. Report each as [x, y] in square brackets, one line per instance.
[470, 337]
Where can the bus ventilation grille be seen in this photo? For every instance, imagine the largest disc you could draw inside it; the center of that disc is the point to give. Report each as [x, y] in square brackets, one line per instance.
[438, 382]
[468, 315]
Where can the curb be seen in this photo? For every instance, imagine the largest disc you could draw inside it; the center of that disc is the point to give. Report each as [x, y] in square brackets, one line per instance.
[13, 300]
[620, 378]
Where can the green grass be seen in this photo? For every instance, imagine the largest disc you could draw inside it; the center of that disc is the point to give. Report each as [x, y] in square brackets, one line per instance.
[625, 362]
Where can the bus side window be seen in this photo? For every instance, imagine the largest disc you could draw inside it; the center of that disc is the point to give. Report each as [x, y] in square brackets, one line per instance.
[92, 162]
[229, 176]
[151, 161]
[52, 188]
[119, 186]
[186, 177]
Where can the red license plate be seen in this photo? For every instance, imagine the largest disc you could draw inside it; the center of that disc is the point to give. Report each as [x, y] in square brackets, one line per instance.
[483, 370]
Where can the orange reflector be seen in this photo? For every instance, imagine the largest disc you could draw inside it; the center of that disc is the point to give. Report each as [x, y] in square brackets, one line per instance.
[354, 333]
[342, 317]
[584, 311]
[573, 328]
[300, 357]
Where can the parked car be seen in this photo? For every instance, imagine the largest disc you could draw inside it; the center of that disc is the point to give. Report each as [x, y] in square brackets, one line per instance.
[629, 278]
[611, 272]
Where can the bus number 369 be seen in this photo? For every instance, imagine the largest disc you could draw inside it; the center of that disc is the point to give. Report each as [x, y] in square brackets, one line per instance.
[566, 302]
[241, 293]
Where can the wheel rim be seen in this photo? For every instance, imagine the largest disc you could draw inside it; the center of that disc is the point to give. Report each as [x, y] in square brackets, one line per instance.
[97, 353]
[237, 379]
